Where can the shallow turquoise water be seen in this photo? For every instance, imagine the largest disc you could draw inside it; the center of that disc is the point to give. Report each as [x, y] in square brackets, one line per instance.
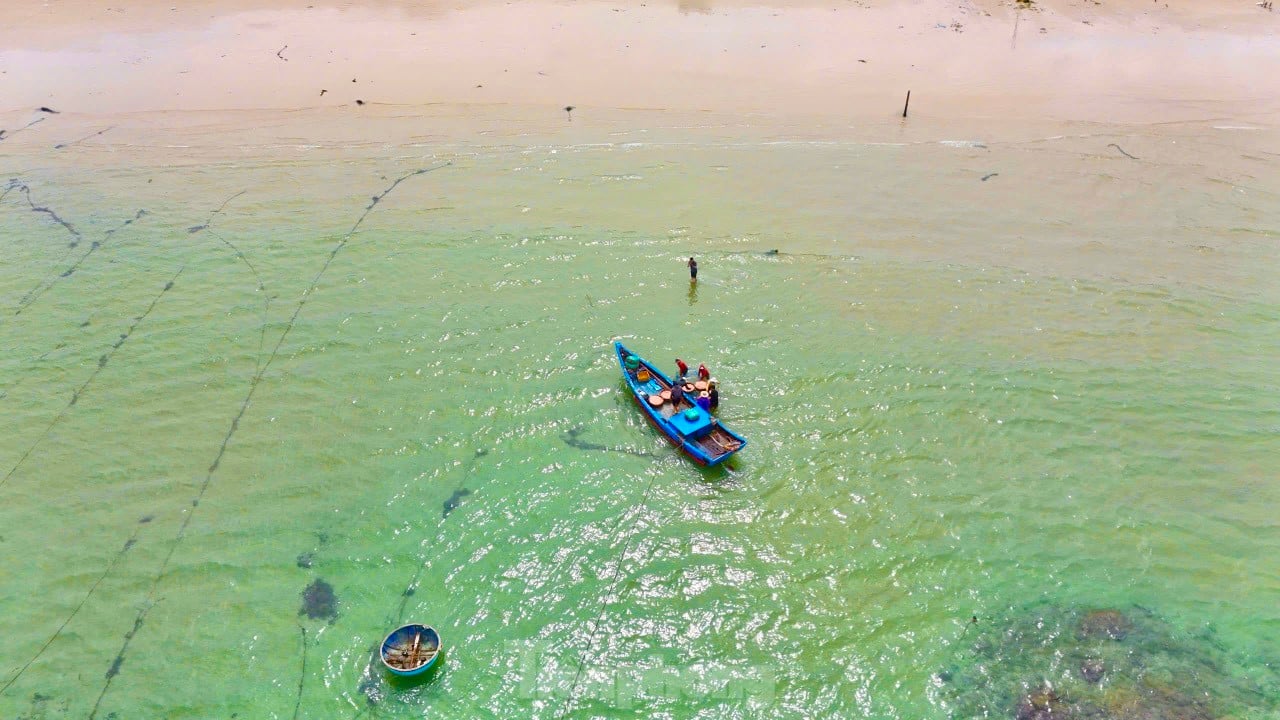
[953, 411]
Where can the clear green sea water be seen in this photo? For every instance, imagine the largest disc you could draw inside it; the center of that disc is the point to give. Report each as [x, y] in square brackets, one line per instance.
[1022, 399]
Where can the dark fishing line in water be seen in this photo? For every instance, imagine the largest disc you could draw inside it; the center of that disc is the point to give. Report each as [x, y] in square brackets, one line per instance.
[105, 359]
[567, 707]
[60, 146]
[133, 539]
[1122, 152]
[318, 603]
[449, 506]
[45, 285]
[209, 220]
[231, 431]
[570, 438]
[26, 191]
[266, 300]
[8, 188]
[5, 136]
[239, 254]
[62, 343]
[262, 287]
[102, 363]
[302, 672]
[372, 681]
[18, 185]
[369, 684]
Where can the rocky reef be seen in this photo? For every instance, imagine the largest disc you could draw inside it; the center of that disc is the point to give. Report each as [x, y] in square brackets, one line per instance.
[1058, 663]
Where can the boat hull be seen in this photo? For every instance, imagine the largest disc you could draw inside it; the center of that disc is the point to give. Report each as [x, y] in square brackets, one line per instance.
[403, 637]
[677, 444]
[712, 449]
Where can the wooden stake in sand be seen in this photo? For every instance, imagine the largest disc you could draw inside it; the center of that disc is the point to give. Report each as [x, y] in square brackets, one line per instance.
[904, 105]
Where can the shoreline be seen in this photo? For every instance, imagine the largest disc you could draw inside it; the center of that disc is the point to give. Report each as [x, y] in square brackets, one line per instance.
[1086, 192]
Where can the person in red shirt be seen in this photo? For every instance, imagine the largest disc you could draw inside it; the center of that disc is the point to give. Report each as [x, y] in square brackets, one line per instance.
[703, 372]
[680, 366]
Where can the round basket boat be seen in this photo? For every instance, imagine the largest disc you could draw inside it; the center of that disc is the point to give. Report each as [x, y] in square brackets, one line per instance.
[410, 649]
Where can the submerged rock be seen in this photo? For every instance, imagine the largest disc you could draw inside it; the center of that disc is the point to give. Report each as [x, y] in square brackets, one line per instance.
[454, 501]
[319, 601]
[1092, 669]
[1047, 662]
[1043, 704]
[1156, 701]
[1104, 624]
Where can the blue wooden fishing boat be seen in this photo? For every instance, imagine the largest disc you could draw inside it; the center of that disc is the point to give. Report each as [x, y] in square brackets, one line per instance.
[410, 649]
[691, 429]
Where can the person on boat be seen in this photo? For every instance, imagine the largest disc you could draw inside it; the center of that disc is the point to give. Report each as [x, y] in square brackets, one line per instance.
[693, 269]
[704, 401]
[713, 394]
[682, 370]
[703, 372]
[677, 394]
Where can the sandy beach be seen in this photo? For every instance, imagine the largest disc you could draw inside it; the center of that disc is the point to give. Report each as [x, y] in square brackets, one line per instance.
[1119, 61]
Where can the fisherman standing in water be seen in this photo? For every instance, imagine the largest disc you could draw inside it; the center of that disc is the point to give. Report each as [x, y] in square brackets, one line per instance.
[693, 270]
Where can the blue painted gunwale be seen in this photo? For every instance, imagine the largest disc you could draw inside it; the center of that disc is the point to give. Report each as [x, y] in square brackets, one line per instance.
[692, 450]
